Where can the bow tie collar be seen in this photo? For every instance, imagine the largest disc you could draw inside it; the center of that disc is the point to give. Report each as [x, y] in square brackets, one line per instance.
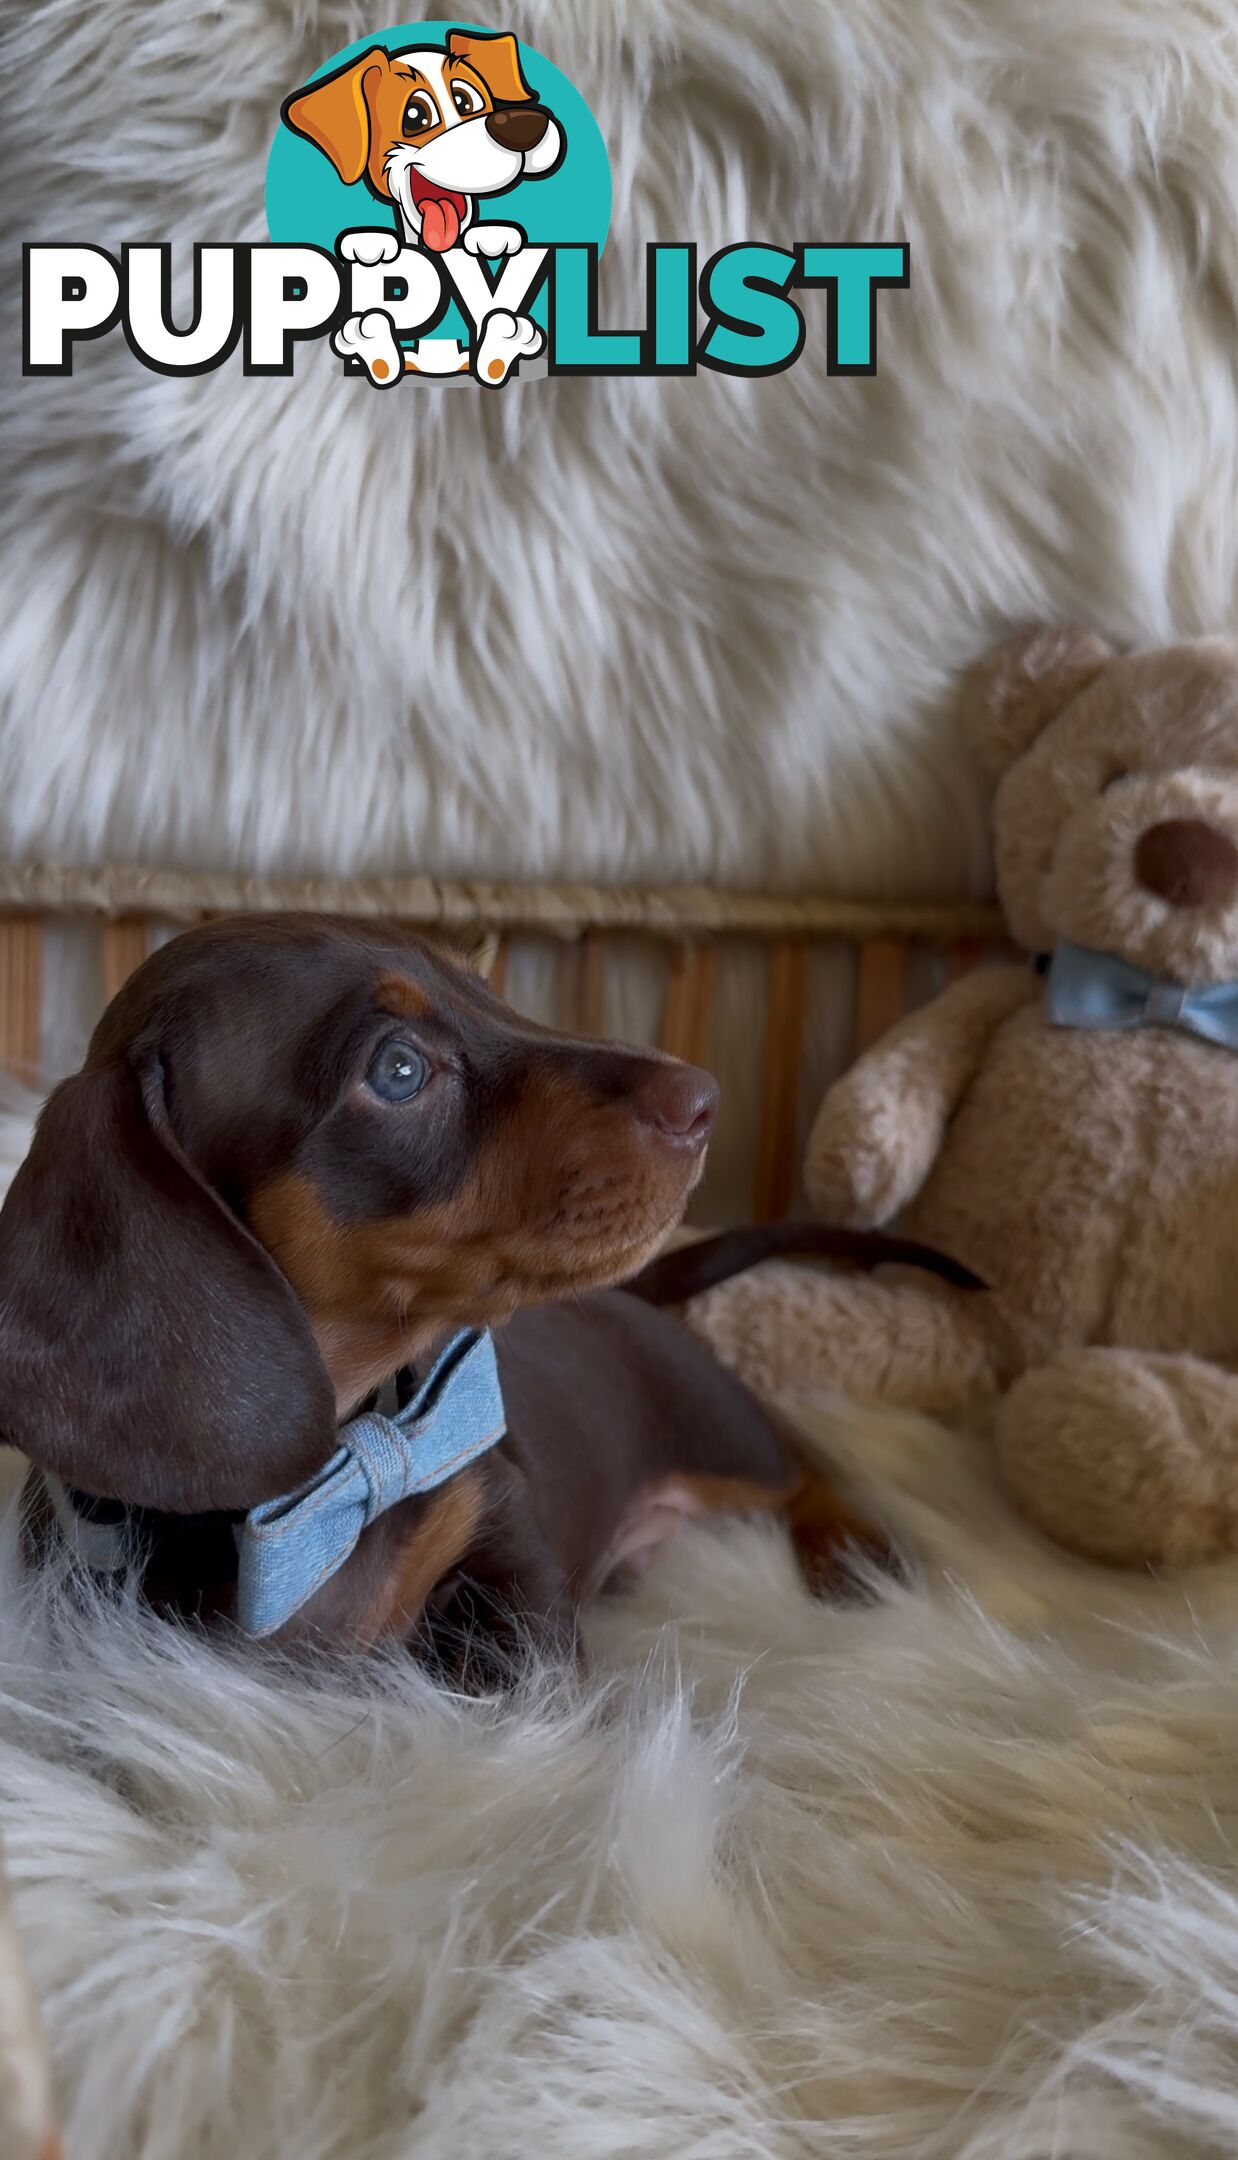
[291, 1546]
[288, 1548]
[1087, 989]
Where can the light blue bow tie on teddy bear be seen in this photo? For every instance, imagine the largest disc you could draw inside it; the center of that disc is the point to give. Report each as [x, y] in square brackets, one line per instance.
[1087, 989]
[289, 1547]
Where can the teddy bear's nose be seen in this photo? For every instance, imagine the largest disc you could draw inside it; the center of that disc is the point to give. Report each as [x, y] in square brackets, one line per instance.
[1188, 863]
[517, 127]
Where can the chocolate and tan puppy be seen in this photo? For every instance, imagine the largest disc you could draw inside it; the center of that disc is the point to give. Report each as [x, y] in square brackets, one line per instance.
[303, 1156]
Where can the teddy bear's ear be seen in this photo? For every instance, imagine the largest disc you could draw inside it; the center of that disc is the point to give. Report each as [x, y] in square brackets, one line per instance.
[1015, 690]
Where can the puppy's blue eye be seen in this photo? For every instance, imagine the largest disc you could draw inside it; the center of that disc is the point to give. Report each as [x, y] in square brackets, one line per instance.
[397, 1071]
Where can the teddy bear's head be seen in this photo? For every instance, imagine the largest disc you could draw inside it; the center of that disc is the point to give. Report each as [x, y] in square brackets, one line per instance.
[1116, 813]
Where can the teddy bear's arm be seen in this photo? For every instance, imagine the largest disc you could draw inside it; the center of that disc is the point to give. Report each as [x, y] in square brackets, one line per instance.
[880, 1127]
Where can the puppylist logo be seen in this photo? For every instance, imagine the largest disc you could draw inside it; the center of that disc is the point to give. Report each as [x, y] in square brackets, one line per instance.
[437, 201]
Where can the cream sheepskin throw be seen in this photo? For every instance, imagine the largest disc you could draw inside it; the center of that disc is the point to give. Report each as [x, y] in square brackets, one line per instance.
[950, 1873]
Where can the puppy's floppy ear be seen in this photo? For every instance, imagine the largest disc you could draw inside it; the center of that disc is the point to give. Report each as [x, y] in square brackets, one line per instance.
[334, 113]
[497, 61]
[150, 1349]
[1023, 684]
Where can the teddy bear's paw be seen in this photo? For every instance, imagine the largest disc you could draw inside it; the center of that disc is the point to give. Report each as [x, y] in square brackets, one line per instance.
[856, 1191]
[1124, 1456]
[862, 1168]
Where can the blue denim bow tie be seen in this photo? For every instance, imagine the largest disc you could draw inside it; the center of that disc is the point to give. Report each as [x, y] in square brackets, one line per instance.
[289, 1547]
[1087, 989]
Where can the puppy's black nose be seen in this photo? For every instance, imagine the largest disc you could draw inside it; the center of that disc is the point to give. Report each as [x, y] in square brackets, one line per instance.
[517, 127]
[679, 1101]
[1188, 863]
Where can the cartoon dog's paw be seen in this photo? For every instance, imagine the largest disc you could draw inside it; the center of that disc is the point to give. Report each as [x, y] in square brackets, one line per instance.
[505, 339]
[369, 247]
[493, 240]
[370, 338]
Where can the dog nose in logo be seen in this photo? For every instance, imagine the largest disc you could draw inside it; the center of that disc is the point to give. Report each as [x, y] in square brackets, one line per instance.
[517, 127]
[1188, 863]
[680, 1102]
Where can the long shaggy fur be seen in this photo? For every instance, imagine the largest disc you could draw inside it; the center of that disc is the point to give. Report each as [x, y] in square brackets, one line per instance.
[947, 1872]
[299, 624]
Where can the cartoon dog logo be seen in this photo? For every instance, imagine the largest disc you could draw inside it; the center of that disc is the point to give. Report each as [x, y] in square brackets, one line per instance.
[432, 131]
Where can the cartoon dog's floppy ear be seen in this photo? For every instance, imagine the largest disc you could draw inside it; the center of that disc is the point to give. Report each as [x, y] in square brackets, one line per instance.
[497, 61]
[150, 1349]
[1010, 695]
[334, 113]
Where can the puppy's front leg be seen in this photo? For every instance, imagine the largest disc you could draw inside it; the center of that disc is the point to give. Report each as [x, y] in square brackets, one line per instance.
[509, 1597]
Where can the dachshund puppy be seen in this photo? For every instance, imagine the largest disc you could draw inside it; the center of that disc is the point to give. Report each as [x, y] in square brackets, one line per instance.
[305, 1156]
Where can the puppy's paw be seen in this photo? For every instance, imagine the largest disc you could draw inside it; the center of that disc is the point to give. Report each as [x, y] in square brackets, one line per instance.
[369, 247]
[505, 340]
[492, 240]
[371, 339]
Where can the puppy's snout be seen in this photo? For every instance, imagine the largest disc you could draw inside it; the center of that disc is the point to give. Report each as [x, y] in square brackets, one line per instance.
[1188, 863]
[517, 127]
[679, 1101]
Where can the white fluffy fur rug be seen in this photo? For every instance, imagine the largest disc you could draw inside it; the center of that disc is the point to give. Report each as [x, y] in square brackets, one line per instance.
[951, 1874]
[689, 629]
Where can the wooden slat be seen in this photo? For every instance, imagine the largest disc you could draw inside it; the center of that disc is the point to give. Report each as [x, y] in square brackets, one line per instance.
[125, 946]
[880, 990]
[701, 1025]
[687, 1015]
[961, 957]
[964, 955]
[780, 1079]
[677, 1005]
[21, 992]
[497, 974]
[589, 989]
[490, 961]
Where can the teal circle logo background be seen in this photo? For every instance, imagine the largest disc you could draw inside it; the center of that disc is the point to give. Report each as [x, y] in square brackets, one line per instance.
[308, 204]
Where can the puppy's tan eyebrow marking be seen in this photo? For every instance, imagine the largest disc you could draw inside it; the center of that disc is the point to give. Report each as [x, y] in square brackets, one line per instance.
[399, 994]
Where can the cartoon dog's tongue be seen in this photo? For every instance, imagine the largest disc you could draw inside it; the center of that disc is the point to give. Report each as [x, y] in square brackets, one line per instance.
[440, 225]
[442, 214]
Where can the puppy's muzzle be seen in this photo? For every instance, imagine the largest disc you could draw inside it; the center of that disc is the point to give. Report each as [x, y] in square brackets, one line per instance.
[518, 127]
[1188, 863]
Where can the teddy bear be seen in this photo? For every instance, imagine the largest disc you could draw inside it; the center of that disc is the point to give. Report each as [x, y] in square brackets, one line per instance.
[1066, 1127]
